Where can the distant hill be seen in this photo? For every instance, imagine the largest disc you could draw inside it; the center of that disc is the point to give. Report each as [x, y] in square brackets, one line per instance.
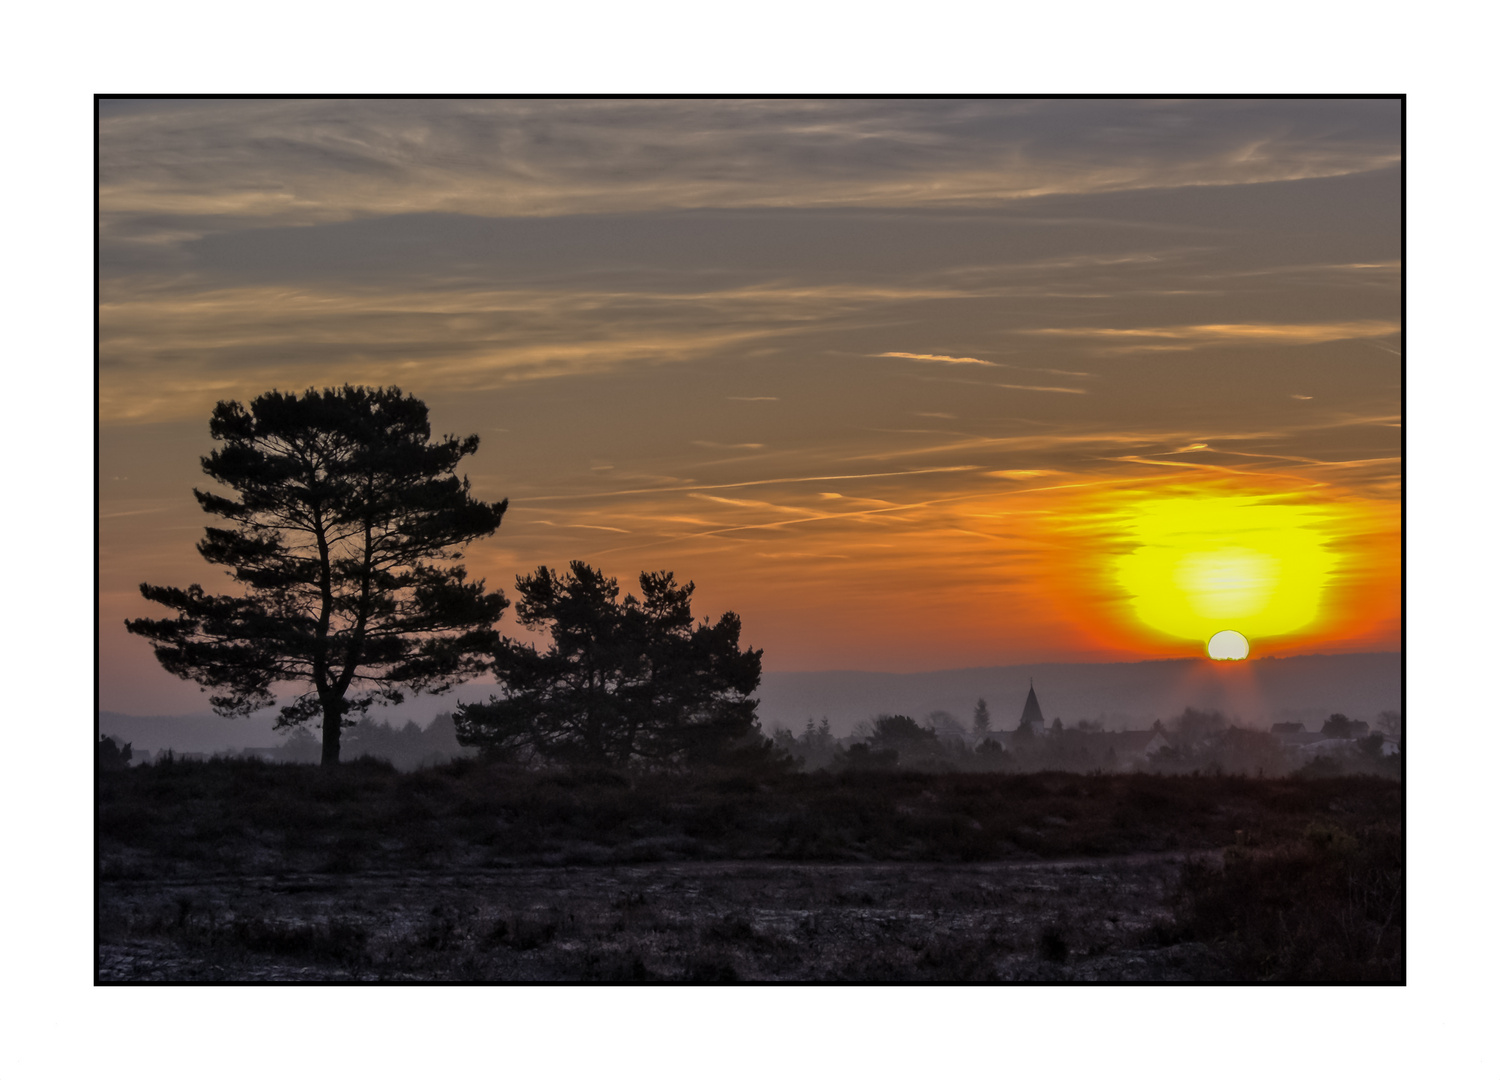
[1258, 692]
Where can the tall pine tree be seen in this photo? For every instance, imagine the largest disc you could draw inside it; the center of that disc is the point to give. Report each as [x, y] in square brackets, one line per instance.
[343, 536]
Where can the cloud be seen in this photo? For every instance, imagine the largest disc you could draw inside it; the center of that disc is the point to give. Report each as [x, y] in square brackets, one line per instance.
[935, 358]
[1228, 333]
[1041, 389]
[575, 525]
[1051, 371]
[241, 341]
[759, 482]
[131, 513]
[1006, 386]
[300, 161]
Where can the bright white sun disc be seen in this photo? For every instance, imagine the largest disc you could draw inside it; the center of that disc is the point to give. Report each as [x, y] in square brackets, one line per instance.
[1228, 645]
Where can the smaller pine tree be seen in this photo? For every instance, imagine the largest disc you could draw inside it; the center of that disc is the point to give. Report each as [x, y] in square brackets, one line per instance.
[981, 719]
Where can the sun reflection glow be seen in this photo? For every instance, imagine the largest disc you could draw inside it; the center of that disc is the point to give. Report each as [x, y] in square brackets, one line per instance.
[1199, 561]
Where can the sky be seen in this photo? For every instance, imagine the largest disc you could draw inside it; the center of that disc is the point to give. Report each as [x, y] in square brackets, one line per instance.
[909, 385]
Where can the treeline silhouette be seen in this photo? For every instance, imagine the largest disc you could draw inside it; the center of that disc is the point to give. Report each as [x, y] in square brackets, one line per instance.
[1194, 741]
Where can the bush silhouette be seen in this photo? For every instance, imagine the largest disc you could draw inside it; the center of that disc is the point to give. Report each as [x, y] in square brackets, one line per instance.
[622, 681]
[111, 755]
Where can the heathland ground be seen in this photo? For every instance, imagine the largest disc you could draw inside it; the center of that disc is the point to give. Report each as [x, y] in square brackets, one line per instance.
[248, 871]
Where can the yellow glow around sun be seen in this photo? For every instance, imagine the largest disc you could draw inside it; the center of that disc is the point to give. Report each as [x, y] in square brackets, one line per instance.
[1206, 562]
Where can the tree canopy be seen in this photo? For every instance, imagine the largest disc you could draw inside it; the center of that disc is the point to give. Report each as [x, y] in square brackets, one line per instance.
[981, 719]
[622, 681]
[1338, 726]
[344, 537]
[898, 731]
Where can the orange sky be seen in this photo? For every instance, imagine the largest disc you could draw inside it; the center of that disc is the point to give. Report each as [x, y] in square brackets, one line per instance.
[892, 409]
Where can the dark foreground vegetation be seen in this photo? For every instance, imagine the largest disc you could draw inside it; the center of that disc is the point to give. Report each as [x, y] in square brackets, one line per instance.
[1328, 906]
[246, 870]
[238, 815]
[661, 922]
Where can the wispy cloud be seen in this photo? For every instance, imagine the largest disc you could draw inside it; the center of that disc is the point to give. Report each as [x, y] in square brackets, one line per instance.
[1005, 386]
[1050, 371]
[758, 482]
[576, 525]
[131, 513]
[935, 358]
[941, 358]
[1041, 389]
[300, 161]
[1221, 333]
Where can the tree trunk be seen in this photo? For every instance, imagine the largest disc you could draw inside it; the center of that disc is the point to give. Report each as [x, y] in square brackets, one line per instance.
[333, 725]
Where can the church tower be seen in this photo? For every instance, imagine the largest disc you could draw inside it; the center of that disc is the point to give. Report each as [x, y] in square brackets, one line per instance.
[1032, 714]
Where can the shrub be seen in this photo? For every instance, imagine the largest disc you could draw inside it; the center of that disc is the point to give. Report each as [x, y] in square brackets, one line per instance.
[1052, 946]
[1329, 907]
[338, 940]
[111, 755]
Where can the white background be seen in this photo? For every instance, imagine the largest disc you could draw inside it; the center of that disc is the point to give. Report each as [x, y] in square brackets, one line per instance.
[58, 1024]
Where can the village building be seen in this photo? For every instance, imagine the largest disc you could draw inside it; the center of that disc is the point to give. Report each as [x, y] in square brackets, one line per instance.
[1134, 748]
[1113, 749]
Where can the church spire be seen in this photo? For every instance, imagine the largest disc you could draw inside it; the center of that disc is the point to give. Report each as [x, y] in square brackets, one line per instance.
[1032, 713]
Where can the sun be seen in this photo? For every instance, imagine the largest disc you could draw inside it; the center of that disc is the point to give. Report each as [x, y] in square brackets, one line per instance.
[1200, 561]
[1228, 645]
